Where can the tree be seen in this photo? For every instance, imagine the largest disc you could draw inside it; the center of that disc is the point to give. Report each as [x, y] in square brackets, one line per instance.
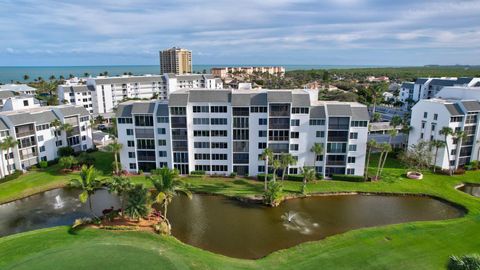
[325, 76]
[459, 136]
[266, 155]
[467, 262]
[384, 149]
[274, 193]
[375, 95]
[115, 148]
[417, 156]
[393, 133]
[86, 74]
[26, 77]
[166, 186]
[67, 162]
[55, 124]
[137, 202]
[52, 78]
[308, 176]
[286, 160]
[396, 121]
[376, 117]
[88, 183]
[370, 146]
[276, 164]
[317, 149]
[120, 186]
[447, 131]
[7, 144]
[437, 144]
[67, 128]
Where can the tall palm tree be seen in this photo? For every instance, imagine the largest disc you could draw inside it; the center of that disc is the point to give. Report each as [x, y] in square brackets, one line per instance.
[276, 164]
[286, 160]
[266, 155]
[317, 149]
[460, 136]
[67, 128]
[392, 134]
[372, 144]
[115, 148]
[376, 95]
[309, 175]
[437, 144]
[166, 184]
[384, 148]
[88, 183]
[447, 131]
[56, 127]
[7, 144]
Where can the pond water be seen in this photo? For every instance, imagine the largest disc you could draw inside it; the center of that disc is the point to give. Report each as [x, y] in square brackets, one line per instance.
[472, 189]
[233, 228]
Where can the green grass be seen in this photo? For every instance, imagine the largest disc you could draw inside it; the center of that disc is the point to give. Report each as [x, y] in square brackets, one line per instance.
[415, 245]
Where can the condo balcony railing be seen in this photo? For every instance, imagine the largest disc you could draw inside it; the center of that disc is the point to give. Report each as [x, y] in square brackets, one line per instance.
[25, 133]
[336, 162]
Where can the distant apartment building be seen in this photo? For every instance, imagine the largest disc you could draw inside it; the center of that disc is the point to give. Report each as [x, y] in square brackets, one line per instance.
[223, 72]
[176, 60]
[101, 95]
[224, 131]
[19, 89]
[29, 124]
[426, 88]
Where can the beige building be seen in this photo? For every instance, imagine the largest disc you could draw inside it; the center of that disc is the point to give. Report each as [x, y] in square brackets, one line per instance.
[224, 72]
[175, 60]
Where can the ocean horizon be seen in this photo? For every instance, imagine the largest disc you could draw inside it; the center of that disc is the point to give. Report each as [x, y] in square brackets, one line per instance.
[9, 74]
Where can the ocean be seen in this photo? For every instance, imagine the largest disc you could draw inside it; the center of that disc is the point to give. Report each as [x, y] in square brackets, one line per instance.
[13, 74]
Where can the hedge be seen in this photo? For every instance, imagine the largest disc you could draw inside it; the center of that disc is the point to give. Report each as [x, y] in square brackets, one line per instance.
[348, 178]
[197, 172]
[295, 177]
[261, 176]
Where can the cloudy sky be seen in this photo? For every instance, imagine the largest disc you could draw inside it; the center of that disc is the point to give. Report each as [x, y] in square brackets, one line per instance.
[327, 32]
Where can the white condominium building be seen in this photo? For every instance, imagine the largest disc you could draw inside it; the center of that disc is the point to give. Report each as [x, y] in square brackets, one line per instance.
[101, 95]
[425, 88]
[30, 125]
[19, 89]
[430, 116]
[223, 72]
[224, 131]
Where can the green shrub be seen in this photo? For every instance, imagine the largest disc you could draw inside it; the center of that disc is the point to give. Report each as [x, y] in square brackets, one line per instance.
[233, 174]
[91, 150]
[43, 164]
[197, 172]
[273, 194]
[261, 176]
[348, 178]
[65, 151]
[52, 162]
[67, 162]
[12, 176]
[467, 262]
[295, 177]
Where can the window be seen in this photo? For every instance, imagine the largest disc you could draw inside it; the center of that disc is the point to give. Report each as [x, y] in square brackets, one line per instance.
[354, 135]
[131, 154]
[319, 158]
[84, 138]
[202, 156]
[40, 138]
[294, 147]
[200, 109]
[218, 121]
[295, 135]
[262, 121]
[240, 122]
[129, 132]
[295, 122]
[130, 143]
[262, 145]
[161, 120]
[278, 135]
[162, 142]
[204, 168]
[456, 119]
[219, 168]
[423, 124]
[201, 145]
[219, 145]
[351, 159]
[350, 171]
[300, 110]
[359, 123]
[143, 121]
[218, 109]
[43, 158]
[124, 120]
[453, 152]
[25, 103]
[200, 121]
[201, 133]
[219, 156]
[258, 109]
[145, 144]
[317, 122]
[58, 143]
[435, 116]
[425, 114]
[421, 135]
[162, 153]
[162, 164]
[320, 134]
[452, 162]
[178, 110]
[352, 147]
[132, 166]
[42, 148]
[433, 127]
[261, 168]
[262, 133]
[219, 133]
[161, 131]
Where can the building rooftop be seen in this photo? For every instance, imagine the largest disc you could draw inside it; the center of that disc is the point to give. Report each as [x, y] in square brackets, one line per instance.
[17, 88]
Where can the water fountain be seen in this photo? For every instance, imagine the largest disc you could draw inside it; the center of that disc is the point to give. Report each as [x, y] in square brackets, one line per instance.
[59, 203]
[297, 222]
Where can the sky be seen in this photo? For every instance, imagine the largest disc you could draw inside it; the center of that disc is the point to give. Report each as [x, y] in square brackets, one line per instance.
[281, 32]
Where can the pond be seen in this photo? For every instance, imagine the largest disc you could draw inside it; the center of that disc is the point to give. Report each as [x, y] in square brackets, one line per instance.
[233, 228]
[472, 189]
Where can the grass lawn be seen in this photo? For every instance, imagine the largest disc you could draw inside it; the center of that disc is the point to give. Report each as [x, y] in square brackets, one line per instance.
[415, 245]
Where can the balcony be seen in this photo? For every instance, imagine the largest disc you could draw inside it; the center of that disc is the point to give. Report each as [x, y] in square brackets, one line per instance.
[25, 133]
[144, 133]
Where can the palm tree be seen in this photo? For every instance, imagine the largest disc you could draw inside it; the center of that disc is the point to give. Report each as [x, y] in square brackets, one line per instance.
[115, 148]
[276, 164]
[376, 94]
[317, 149]
[392, 132]
[384, 148]
[88, 183]
[68, 128]
[437, 144]
[370, 146]
[52, 78]
[56, 124]
[396, 121]
[460, 136]
[7, 144]
[166, 186]
[86, 74]
[447, 131]
[137, 202]
[266, 155]
[26, 77]
[120, 186]
[286, 160]
[308, 176]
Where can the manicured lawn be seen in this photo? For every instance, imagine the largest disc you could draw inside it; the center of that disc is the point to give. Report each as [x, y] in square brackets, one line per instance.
[416, 245]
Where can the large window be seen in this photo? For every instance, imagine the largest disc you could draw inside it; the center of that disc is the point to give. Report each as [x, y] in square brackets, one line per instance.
[200, 109]
[218, 109]
[143, 120]
[145, 144]
[338, 123]
[178, 110]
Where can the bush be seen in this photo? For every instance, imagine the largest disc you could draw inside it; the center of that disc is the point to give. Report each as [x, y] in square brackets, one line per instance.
[197, 172]
[467, 262]
[91, 150]
[52, 162]
[67, 162]
[273, 195]
[85, 159]
[261, 176]
[233, 174]
[12, 176]
[295, 177]
[65, 151]
[348, 178]
[43, 164]
[140, 172]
